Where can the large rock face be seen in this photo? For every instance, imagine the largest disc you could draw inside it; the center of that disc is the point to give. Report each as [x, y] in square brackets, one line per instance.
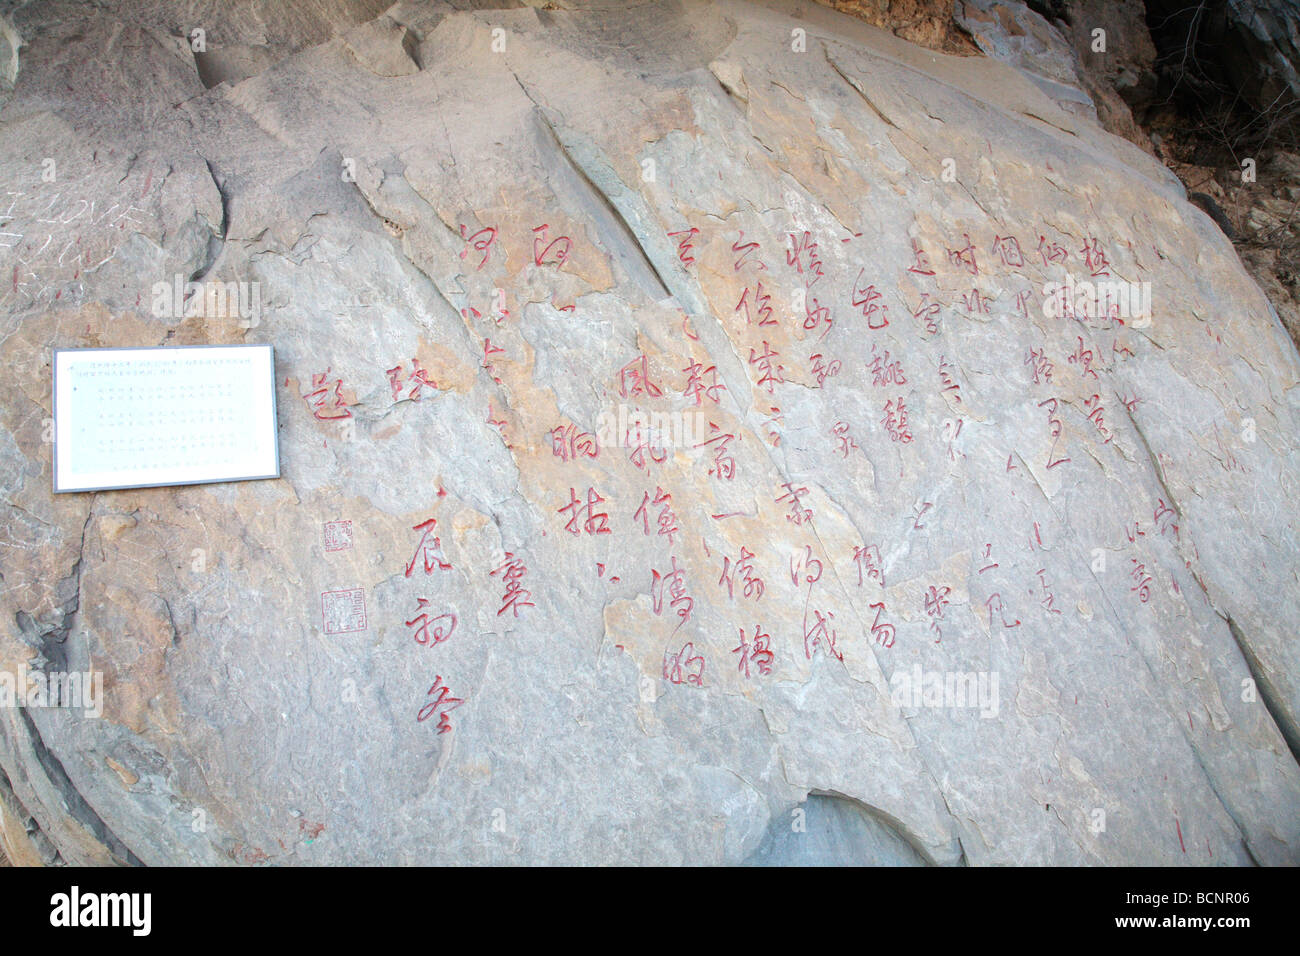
[996, 578]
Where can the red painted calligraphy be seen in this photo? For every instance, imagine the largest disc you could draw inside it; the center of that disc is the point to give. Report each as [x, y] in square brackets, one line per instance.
[1040, 365]
[844, 442]
[881, 632]
[315, 399]
[441, 626]
[724, 466]
[585, 517]
[442, 705]
[895, 421]
[799, 513]
[946, 377]
[685, 244]
[684, 667]
[866, 298]
[884, 371]
[634, 379]
[870, 567]
[429, 550]
[512, 571]
[1056, 426]
[567, 443]
[480, 241]
[965, 256]
[770, 373]
[743, 566]
[934, 603]
[1051, 252]
[1094, 257]
[1008, 249]
[758, 651]
[556, 251]
[667, 518]
[761, 301]
[675, 581]
[418, 376]
[824, 370]
[820, 635]
[926, 313]
[920, 261]
[1083, 358]
[805, 566]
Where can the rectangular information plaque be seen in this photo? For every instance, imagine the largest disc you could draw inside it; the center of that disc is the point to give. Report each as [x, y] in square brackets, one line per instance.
[181, 415]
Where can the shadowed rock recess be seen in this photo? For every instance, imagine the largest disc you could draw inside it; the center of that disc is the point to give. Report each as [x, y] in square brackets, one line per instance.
[787, 510]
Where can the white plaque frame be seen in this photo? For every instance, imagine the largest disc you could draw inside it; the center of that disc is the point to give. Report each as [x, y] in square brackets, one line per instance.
[84, 459]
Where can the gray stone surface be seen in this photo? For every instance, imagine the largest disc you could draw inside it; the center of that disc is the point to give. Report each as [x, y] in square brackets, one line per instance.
[1063, 609]
[1016, 35]
[826, 830]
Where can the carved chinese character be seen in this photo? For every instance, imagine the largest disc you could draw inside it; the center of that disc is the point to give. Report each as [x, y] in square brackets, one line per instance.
[881, 632]
[675, 581]
[806, 259]
[1008, 248]
[976, 302]
[965, 256]
[844, 442]
[512, 571]
[770, 373]
[753, 584]
[799, 513]
[634, 379]
[762, 303]
[1041, 366]
[921, 261]
[744, 250]
[867, 558]
[1164, 518]
[1083, 358]
[480, 241]
[418, 376]
[667, 518]
[820, 635]
[320, 392]
[684, 245]
[556, 251]
[1049, 599]
[567, 443]
[684, 667]
[759, 651]
[441, 626]
[895, 421]
[994, 603]
[805, 566]
[1094, 257]
[698, 388]
[724, 466]
[822, 371]
[585, 517]
[430, 550]
[926, 313]
[866, 298]
[1056, 425]
[885, 371]
[1142, 587]
[946, 377]
[1051, 252]
[934, 603]
[442, 704]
